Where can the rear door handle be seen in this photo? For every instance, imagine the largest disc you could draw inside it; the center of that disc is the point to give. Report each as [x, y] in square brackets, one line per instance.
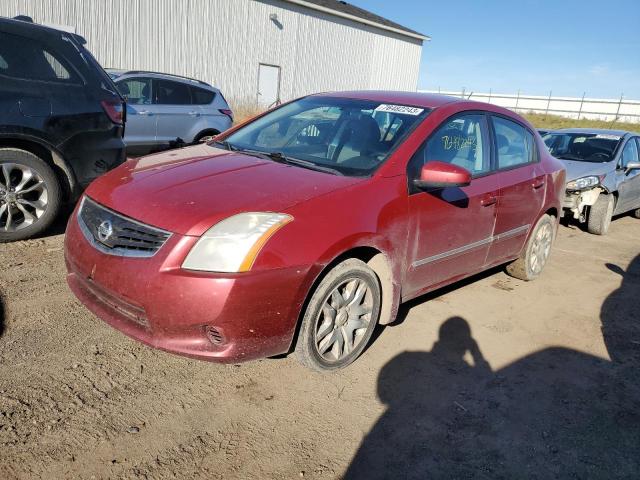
[538, 183]
[145, 112]
[489, 200]
[194, 114]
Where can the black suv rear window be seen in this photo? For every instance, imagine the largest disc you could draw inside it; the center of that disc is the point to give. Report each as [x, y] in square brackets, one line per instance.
[27, 59]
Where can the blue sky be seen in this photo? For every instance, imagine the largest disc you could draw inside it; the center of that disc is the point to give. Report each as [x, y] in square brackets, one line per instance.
[566, 46]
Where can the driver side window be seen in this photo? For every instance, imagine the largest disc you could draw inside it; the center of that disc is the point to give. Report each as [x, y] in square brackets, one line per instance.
[461, 141]
[629, 154]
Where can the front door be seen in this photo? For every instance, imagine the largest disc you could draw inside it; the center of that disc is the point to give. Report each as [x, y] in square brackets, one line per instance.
[522, 188]
[451, 228]
[268, 86]
[628, 181]
[140, 128]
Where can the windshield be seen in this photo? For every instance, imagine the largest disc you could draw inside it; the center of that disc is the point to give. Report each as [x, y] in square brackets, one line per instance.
[583, 147]
[346, 136]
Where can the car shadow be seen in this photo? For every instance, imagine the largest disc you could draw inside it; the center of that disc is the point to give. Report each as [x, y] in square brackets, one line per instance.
[405, 308]
[556, 413]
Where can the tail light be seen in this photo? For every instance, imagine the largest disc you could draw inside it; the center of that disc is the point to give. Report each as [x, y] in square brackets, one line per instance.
[227, 112]
[114, 110]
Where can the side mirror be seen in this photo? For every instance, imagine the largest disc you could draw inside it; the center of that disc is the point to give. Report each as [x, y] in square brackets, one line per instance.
[632, 166]
[442, 175]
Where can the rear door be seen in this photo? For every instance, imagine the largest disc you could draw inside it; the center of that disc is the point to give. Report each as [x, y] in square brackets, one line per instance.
[451, 228]
[140, 128]
[177, 115]
[628, 182]
[522, 187]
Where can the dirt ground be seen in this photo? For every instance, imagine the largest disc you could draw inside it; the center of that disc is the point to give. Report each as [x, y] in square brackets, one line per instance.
[492, 378]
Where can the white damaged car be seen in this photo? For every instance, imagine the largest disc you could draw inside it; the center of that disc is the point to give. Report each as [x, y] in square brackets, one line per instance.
[603, 174]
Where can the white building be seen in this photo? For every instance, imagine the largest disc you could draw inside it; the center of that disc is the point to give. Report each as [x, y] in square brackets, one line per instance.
[255, 51]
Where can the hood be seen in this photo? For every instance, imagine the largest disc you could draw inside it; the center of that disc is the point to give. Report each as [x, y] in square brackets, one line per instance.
[577, 169]
[189, 190]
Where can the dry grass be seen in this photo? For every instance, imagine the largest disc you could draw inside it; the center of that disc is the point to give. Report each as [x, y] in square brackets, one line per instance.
[243, 111]
[553, 122]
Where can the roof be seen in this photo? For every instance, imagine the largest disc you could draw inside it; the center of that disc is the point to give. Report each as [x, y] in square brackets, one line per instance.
[28, 24]
[347, 10]
[596, 131]
[116, 73]
[416, 99]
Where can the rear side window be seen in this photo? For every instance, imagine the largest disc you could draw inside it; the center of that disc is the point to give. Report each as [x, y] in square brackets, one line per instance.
[172, 93]
[200, 96]
[514, 143]
[461, 141]
[27, 59]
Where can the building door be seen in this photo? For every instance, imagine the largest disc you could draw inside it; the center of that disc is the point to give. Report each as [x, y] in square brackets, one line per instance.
[268, 86]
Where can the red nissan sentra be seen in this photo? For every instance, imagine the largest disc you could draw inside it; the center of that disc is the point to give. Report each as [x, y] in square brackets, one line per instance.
[307, 226]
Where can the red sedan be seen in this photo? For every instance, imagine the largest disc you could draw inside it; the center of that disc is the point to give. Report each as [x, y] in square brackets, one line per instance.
[307, 226]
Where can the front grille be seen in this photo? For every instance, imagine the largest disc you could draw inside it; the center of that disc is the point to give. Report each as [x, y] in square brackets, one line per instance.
[115, 234]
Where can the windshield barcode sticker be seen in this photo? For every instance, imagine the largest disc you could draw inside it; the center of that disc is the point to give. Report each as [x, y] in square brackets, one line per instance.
[402, 109]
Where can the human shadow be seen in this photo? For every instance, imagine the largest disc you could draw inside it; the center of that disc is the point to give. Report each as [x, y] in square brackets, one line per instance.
[557, 413]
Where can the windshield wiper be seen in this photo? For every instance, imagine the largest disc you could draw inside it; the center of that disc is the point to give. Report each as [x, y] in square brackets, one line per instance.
[226, 145]
[280, 157]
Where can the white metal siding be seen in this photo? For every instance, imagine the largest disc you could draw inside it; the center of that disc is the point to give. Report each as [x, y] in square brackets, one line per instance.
[224, 41]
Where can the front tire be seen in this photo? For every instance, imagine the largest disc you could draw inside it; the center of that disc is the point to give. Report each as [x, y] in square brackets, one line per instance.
[30, 195]
[340, 317]
[600, 214]
[536, 252]
[636, 213]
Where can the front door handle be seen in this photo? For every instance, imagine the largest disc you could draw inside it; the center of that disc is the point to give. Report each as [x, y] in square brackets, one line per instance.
[489, 200]
[194, 114]
[145, 112]
[538, 183]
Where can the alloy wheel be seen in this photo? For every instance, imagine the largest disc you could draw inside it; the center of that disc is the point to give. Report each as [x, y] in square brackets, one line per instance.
[343, 320]
[23, 197]
[541, 248]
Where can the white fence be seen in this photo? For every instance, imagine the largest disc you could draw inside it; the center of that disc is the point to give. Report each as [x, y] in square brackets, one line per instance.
[612, 110]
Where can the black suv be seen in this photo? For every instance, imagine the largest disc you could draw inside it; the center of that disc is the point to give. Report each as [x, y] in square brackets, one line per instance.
[61, 124]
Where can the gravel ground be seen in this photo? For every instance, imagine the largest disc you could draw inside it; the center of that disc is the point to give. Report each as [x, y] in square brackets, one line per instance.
[491, 378]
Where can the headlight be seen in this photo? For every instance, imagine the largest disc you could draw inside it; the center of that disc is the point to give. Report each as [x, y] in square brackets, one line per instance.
[233, 244]
[584, 182]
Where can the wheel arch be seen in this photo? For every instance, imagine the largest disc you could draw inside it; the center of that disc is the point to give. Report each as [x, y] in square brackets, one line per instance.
[206, 131]
[48, 154]
[380, 263]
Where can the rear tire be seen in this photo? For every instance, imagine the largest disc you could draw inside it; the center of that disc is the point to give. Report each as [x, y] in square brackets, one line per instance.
[340, 317]
[30, 195]
[636, 213]
[536, 252]
[600, 214]
[206, 136]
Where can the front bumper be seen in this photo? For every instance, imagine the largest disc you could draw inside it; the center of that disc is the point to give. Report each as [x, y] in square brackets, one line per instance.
[575, 203]
[215, 317]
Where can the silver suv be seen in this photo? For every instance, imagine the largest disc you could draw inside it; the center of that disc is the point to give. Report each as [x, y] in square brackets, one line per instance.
[168, 110]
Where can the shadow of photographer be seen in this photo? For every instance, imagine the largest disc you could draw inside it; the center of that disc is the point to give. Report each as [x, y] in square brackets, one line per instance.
[555, 413]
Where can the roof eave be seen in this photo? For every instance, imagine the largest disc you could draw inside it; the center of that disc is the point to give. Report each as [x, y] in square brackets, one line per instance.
[354, 18]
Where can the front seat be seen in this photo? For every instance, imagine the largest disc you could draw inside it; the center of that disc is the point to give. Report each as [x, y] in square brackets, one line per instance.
[360, 138]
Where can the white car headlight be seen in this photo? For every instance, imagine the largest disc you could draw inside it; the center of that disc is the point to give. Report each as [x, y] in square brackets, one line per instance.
[233, 244]
[584, 182]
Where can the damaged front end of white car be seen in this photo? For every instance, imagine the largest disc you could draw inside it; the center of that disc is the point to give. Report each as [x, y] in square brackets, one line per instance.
[582, 193]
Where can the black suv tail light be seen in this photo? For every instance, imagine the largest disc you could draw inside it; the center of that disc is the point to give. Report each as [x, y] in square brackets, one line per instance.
[114, 110]
[227, 112]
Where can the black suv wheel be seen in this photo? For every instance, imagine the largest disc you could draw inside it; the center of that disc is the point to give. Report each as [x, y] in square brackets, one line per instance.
[30, 195]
